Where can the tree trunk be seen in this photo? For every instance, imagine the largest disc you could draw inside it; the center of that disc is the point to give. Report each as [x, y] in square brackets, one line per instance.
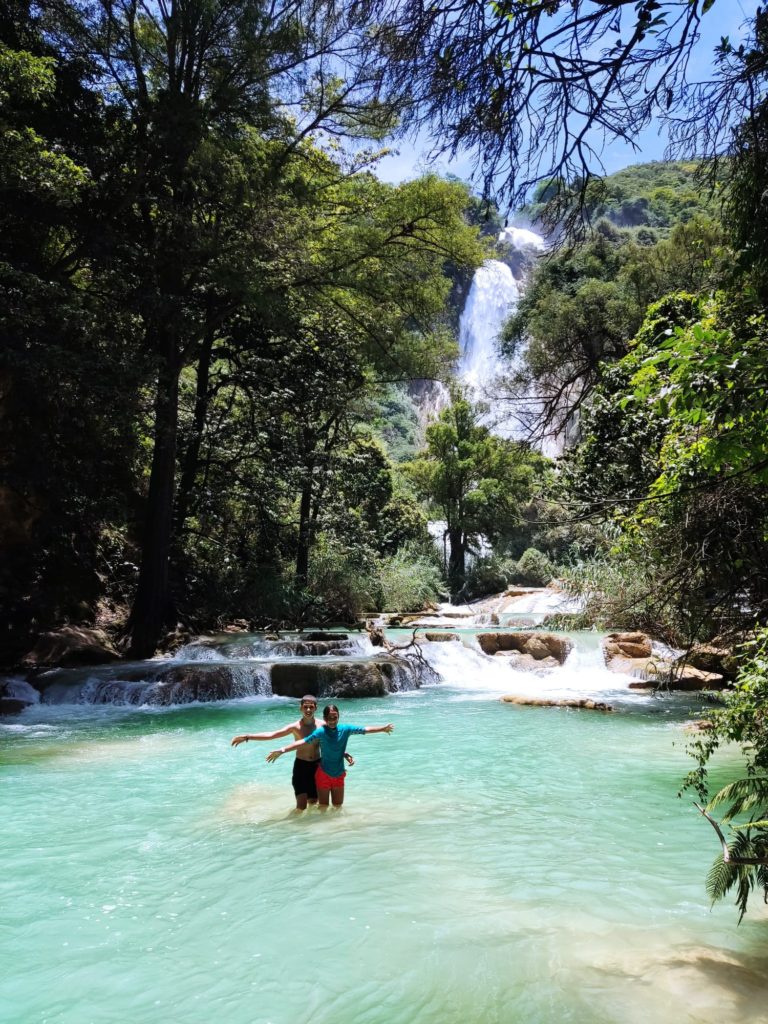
[152, 605]
[305, 531]
[456, 561]
[191, 458]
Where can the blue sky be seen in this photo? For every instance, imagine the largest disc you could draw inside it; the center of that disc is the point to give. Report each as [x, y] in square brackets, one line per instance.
[725, 18]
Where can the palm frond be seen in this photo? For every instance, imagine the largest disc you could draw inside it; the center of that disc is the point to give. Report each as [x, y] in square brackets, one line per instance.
[720, 878]
[744, 794]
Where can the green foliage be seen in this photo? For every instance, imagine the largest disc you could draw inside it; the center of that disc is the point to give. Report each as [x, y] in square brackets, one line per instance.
[409, 580]
[472, 479]
[585, 304]
[487, 575]
[344, 578]
[534, 569]
[741, 718]
[394, 419]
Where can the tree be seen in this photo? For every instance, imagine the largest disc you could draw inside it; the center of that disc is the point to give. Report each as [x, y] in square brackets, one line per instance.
[191, 85]
[535, 89]
[473, 479]
[350, 295]
[58, 371]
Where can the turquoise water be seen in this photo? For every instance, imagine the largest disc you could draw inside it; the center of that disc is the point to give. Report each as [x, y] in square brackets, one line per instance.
[492, 864]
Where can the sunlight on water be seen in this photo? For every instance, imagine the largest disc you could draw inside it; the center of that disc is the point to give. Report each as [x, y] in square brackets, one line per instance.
[492, 863]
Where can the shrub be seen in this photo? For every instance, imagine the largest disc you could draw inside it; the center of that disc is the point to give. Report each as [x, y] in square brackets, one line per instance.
[408, 580]
[534, 568]
[487, 576]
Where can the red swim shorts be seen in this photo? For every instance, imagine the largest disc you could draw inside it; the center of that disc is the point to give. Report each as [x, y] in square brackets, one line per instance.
[325, 781]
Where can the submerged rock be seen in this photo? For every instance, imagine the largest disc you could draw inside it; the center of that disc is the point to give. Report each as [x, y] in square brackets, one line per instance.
[545, 702]
[524, 662]
[71, 645]
[320, 634]
[309, 648]
[537, 646]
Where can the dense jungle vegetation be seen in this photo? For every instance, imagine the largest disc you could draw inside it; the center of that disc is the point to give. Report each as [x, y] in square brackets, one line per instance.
[212, 313]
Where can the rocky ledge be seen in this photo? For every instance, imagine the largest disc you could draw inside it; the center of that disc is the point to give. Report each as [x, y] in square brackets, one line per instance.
[71, 645]
[173, 682]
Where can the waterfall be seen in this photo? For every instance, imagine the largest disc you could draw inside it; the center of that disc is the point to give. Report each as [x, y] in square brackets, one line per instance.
[492, 298]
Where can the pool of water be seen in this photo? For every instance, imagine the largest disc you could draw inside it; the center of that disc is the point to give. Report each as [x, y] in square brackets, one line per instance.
[492, 863]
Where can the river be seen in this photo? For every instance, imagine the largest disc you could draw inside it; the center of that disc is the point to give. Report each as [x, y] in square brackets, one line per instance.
[492, 863]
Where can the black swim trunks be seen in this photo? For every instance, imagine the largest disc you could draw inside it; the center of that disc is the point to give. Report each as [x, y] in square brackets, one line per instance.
[304, 778]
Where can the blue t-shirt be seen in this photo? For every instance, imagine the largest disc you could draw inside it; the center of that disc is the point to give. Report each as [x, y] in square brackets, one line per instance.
[333, 743]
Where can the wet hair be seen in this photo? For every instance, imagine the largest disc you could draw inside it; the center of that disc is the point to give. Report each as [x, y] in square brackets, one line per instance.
[308, 698]
[328, 709]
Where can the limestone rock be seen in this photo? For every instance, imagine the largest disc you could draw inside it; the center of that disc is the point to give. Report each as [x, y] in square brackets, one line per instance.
[627, 645]
[441, 638]
[670, 676]
[710, 658]
[307, 648]
[71, 645]
[624, 653]
[325, 635]
[538, 646]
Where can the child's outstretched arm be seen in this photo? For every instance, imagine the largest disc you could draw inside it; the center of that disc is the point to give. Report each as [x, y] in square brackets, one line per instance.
[287, 731]
[379, 728]
[274, 754]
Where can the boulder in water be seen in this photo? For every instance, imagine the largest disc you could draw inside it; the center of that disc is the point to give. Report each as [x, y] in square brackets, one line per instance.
[538, 646]
[15, 695]
[441, 638]
[626, 646]
[710, 658]
[633, 654]
[673, 677]
[308, 648]
[71, 645]
[375, 677]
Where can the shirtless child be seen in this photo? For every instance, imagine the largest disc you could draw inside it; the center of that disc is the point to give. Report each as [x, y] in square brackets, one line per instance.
[307, 756]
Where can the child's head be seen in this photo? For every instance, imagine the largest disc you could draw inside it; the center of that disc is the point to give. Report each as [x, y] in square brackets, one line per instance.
[331, 713]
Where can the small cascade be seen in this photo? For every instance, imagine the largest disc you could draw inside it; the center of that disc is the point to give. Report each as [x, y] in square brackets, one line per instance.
[240, 666]
[463, 667]
[158, 684]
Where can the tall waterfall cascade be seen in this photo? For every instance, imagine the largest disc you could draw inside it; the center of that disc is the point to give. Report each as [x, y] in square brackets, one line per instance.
[492, 299]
